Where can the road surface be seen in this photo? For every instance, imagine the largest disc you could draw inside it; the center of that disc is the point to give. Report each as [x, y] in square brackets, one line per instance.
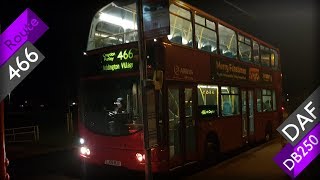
[255, 163]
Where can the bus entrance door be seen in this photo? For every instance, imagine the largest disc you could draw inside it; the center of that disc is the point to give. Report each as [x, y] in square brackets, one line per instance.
[182, 129]
[175, 128]
[190, 138]
[247, 116]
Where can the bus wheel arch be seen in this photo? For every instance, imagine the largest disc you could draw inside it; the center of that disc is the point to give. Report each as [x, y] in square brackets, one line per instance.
[212, 147]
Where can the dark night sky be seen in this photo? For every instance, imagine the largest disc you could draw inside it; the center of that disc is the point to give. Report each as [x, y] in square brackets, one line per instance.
[289, 25]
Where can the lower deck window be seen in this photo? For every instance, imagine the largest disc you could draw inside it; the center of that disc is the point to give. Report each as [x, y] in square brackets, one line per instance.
[207, 100]
[266, 100]
[229, 101]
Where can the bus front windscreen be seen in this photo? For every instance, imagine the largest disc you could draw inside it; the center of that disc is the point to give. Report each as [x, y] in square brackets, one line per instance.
[110, 107]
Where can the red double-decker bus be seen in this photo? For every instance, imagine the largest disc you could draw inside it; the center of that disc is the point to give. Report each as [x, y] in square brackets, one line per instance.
[220, 90]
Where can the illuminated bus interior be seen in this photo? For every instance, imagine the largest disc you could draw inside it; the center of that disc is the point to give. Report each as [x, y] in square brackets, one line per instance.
[180, 26]
[113, 25]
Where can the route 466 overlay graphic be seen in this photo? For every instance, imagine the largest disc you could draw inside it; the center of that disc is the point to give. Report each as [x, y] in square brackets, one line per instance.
[302, 131]
[18, 56]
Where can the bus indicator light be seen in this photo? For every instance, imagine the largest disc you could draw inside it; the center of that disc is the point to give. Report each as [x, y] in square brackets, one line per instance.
[81, 141]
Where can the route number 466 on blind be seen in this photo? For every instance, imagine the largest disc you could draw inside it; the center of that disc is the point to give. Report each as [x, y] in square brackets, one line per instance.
[23, 65]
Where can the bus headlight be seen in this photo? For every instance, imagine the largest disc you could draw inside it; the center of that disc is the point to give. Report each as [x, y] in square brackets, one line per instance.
[140, 157]
[85, 151]
[88, 151]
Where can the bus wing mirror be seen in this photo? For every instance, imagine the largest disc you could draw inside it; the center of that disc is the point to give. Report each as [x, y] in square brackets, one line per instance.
[157, 79]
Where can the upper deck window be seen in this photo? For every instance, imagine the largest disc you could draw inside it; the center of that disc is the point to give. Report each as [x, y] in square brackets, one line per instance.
[256, 52]
[180, 26]
[206, 35]
[113, 25]
[245, 50]
[265, 56]
[227, 42]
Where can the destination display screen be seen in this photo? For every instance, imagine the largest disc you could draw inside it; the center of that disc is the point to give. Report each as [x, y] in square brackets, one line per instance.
[120, 60]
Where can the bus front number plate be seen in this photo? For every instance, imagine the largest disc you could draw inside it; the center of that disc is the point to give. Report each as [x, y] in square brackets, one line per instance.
[112, 162]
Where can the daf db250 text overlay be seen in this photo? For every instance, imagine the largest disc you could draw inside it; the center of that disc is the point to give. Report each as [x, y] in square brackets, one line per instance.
[302, 130]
